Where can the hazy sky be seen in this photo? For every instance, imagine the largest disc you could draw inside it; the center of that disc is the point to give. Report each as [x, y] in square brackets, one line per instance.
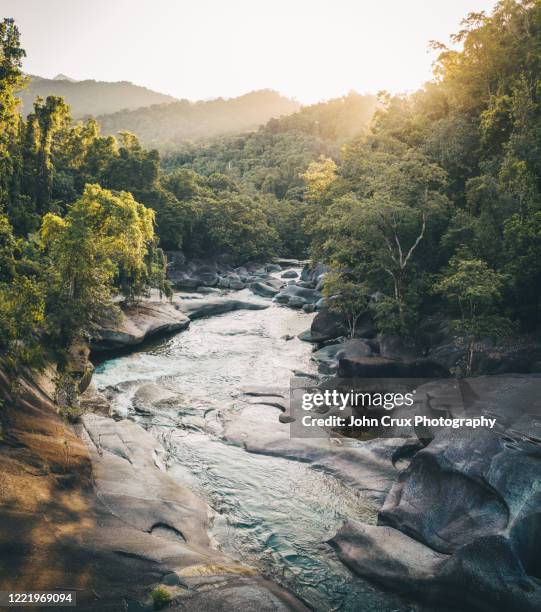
[308, 49]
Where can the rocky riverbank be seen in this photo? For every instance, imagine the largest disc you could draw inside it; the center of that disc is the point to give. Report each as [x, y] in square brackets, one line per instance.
[461, 525]
[458, 526]
[91, 508]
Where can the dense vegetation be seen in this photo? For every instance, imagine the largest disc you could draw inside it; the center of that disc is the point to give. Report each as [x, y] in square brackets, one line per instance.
[438, 209]
[267, 166]
[89, 97]
[67, 244]
[166, 126]
[272, 159]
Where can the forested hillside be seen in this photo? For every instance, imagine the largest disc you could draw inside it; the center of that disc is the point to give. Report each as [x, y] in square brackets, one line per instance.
[89, 97]
[439, 207]
[273, 158]
[167, 126]
[78, 213]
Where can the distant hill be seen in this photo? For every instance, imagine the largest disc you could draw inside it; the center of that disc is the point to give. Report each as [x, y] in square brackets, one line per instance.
[272, 158]
[63, 77]
[166, 126]
[90, 97]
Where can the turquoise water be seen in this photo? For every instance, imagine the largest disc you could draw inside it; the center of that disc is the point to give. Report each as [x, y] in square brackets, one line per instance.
[269, 512]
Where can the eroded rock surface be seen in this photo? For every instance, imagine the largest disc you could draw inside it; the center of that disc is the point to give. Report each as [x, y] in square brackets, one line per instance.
[100, 514]
[196, 309]
[137, 323]
[462, 522]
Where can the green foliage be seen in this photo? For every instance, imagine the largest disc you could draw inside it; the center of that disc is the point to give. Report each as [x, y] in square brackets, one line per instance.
[100, 246]
[346, 298]
[475, 289]
[161, 597]
[447, 185]
[472, 285]
[393, 207]
[272, 159]
[22, 320]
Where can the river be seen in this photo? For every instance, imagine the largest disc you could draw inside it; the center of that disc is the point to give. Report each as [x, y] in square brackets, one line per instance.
[271, 513]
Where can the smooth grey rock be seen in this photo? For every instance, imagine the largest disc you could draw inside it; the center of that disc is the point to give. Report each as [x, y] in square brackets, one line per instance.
[290, 274]
[237, 285]
[327, 325]
[321, 282]
[94, 401]
[208, 279]
[395, 347]
[296, 302]
[310, 296]
[196, 309]
[273, 268]
[306, 336]
[367, 466]
[312, 273]
[263, 289]
[137, 323]
[329, 356]
[186, 282]
[462, 524]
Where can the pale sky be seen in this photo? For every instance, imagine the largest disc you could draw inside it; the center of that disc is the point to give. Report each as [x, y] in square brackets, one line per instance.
[199, 49]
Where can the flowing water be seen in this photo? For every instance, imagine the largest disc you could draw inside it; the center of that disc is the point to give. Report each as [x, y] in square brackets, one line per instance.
[272, 513]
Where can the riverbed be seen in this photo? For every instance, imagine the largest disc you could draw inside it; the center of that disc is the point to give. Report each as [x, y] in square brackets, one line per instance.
[269, 512]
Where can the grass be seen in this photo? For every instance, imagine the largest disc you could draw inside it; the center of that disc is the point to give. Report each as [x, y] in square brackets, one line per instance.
[160, 598]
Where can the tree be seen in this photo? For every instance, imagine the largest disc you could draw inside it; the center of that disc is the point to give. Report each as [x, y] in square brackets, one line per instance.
[46, 130]
[11, 78]
[396, 202]
[347, 298]
[472, 286]
[102, 246]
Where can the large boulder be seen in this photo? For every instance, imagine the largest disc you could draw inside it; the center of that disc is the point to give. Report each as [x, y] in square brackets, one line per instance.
[236, 285]
[328, 357]
[309, 296]
[183, 282]
[208, 279]
[462, 524]
[137, 323]
[296, 302]
[263, 289]
[290, 274]
[327, 325]
[395, 347]
[196, 309]
[312, 273]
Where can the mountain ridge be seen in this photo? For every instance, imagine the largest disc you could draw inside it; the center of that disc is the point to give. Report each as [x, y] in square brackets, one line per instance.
[165, 126]
[90, 97]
